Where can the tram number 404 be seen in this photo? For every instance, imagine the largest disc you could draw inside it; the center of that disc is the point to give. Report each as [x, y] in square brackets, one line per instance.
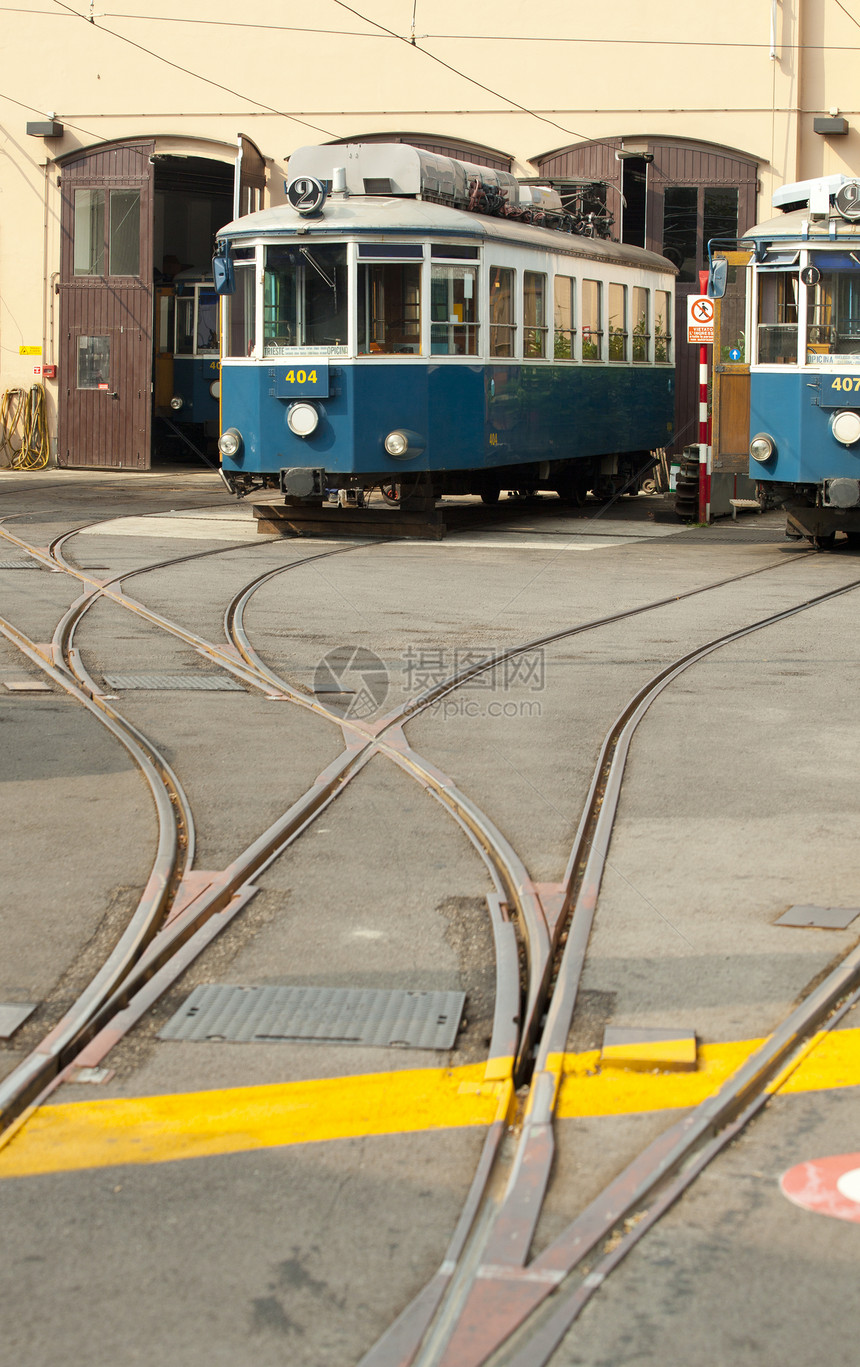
[310, 381]
[845, 383]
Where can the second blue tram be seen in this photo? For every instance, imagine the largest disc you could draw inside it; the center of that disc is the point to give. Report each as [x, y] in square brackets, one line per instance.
[804, 304]
[384, 327]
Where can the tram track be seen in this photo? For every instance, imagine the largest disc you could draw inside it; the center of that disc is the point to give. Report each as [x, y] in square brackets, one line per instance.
[556, 941]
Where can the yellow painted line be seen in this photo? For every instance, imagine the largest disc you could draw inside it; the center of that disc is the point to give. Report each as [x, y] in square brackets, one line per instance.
[161, 1129]
[585, 1091]
[157, 1129]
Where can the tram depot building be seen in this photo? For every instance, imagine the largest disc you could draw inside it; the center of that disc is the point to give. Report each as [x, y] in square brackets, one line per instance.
[129, 139]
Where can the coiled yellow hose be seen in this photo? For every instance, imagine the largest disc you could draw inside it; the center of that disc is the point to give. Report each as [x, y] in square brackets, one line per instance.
[24, 437]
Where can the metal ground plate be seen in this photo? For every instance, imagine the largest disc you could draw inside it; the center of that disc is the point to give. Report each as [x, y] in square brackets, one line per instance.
[821, 918]
[188, 683]
[318, 1015]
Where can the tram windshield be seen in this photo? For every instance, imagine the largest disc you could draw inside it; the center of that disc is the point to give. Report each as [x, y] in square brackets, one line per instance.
[304, 298]
[833, 315]
[197, 322]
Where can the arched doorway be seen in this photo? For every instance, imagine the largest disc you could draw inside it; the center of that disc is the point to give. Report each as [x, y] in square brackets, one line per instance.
[137, 232]
[671, 196]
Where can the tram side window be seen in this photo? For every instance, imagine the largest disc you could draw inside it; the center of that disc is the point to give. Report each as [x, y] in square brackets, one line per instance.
[304, 298]
[564, 318]
[534, 314]
[777, 317]
[454, 311]
[662, 326]
[641, 325]
[503, 323]
[833, 314]
[592, 320]
[389, 309]
[618, 322]
[241, 330]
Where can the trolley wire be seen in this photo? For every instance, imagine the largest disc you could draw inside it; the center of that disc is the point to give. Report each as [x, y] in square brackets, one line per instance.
[187, 71]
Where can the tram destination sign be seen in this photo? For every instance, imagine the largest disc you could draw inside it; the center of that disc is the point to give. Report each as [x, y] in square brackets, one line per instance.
[700, 319]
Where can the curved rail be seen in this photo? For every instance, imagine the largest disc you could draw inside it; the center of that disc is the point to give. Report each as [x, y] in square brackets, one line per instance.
[486, 1290]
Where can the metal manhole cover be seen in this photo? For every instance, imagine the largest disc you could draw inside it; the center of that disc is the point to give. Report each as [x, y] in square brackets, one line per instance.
[204, 683]
[319, 1015]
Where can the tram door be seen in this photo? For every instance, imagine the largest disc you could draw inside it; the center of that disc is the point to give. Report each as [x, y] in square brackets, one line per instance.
[731, 385]
[163, 387]
[106, 308]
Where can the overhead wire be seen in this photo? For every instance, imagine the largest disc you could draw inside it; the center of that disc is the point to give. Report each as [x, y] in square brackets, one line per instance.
[697, 43]
[571, 132]
[186, 71]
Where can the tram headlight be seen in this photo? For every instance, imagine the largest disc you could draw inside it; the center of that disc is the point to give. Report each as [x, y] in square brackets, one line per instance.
[845, 426]
[303, 419]
[762, 447]
[403, 445]
[176, 403]
[215, 389]
[230, 442]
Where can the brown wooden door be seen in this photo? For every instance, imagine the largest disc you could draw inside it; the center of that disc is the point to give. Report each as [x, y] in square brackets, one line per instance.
[731, 370]
[249, 181]
[106, 293]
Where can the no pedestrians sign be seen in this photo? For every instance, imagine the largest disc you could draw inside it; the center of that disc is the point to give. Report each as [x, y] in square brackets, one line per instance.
[700, 319]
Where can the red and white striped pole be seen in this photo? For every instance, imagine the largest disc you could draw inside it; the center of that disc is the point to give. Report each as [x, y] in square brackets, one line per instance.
[704, 424]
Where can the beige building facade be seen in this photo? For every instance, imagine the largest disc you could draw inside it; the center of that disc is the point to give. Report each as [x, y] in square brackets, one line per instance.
[121, 132]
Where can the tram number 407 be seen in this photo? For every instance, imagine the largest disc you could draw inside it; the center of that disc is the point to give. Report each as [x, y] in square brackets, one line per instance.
[845, 383]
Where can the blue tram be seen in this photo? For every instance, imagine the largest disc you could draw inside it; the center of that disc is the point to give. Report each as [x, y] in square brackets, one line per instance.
[409, 319]
[804, 451]
[186, 389]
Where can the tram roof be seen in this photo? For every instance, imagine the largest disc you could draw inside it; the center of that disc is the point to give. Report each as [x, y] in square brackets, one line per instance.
[379, 215]
[798, 226]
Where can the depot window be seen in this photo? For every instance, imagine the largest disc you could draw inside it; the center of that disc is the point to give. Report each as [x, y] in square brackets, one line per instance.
[304, 298]
[618, 322]
[389, 309]
[564, 317]
[503, 325]
[641, 325]
[592, 320]
[93, 362]
[454, 310]
[777, 317]
[534, 314]
[107, 233]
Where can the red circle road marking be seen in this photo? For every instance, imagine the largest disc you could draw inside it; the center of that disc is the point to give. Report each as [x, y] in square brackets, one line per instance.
[826, 1185]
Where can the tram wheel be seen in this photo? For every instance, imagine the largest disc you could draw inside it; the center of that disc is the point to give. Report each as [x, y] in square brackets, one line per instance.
[391, 494]
[490, 496]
